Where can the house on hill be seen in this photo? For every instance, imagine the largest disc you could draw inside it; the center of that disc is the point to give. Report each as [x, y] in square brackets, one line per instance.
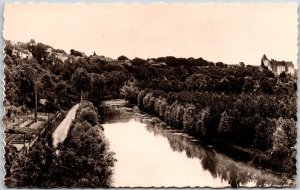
[63, 57]
[21, 53]
[277, 67]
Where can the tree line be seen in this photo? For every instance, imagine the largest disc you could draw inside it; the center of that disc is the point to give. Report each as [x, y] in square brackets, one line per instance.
[246, 106]
[61, 83]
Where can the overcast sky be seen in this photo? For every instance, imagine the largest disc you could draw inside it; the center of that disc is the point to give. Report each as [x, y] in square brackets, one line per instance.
[217, 32]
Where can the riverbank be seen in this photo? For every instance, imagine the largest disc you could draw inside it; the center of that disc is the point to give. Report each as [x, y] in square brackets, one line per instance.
[180, 117]
[83, 151]
[225, 117]
[253, 157]
[147, 141]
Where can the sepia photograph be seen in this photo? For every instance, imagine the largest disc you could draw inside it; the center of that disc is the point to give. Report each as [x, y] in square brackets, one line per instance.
[108, 95]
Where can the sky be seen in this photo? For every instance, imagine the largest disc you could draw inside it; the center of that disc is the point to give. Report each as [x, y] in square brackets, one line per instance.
[230, 33]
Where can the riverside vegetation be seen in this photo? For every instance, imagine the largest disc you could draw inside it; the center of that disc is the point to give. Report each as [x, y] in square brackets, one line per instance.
[82, 160]
[245, 111]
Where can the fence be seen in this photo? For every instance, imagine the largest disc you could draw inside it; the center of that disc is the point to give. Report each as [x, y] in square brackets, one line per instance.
[25, 137]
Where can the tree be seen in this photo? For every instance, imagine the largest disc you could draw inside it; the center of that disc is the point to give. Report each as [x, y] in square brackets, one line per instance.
[81, 81]
[76, 53]
[242, 64]
[64, 95]
[89, 115]
[138, 61]
[130, 91]
[282, 76]
[201, 120]
[39, 51]
[23, 78]
[263, 134]
[198, 82]
[11, 154]
[32, 42]
[122, 58]
[188, 117]
[224, 128]
[98, 86]
[33, 169]
[289, 127]
[267, 85]
[279, 141]
[248, 85]
[8, 61]
[8, 49]
[220, 64]
[84, 158]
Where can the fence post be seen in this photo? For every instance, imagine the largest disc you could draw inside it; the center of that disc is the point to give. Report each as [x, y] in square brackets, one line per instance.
[24, 142]
[35, 112]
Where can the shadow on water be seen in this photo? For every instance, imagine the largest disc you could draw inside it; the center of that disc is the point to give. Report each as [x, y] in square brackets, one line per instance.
[220, 166]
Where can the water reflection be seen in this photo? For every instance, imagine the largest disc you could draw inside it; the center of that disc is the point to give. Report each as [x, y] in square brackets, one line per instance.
[209, 162]
[222, 170]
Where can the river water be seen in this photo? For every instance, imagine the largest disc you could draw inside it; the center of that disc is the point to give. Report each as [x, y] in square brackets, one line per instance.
[149, 153]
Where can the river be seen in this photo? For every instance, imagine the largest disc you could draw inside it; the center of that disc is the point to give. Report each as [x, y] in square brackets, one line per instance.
[149, 153]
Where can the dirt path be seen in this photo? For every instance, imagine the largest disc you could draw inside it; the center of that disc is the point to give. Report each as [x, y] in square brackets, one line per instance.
[61, 131]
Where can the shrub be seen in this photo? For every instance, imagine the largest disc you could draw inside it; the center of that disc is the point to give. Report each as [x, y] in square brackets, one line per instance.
[89, 115]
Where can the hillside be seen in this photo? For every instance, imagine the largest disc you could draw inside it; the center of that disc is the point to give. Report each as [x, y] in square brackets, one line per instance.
[243, 105]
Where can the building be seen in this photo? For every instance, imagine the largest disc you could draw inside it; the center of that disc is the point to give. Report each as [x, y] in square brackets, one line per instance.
[22, 54]
[277, 67]
[63, 57]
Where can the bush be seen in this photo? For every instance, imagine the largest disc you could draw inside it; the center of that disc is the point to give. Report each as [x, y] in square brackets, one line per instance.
[188, 119]
[89, 115]
[130, 91]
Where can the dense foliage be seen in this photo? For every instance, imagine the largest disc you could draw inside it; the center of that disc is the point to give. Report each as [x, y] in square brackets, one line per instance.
[82, 160]
[241, 105]
[58, 77]
[246, 106]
